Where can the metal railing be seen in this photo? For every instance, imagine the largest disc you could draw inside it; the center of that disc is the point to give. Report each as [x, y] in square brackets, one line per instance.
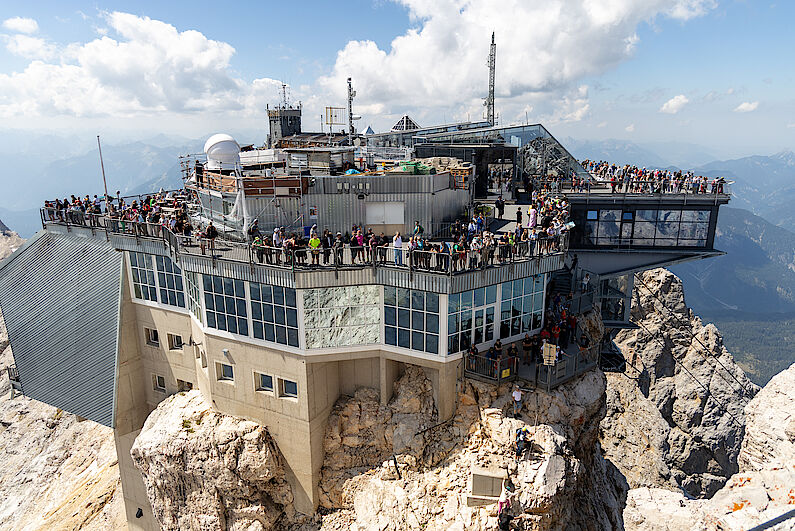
[496, 370]
[567, 366]
[436, 260]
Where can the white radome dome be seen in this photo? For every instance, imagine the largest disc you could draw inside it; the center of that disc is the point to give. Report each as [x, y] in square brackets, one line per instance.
[223, 152]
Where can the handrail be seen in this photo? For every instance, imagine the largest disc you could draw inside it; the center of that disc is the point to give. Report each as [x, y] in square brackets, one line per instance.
[345, 256]
[492, 369]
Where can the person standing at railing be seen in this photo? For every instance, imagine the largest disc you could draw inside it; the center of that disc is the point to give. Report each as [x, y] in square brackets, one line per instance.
[397, 247]
[211, 234]
[372, 246]
[258, 248]
[327, 241]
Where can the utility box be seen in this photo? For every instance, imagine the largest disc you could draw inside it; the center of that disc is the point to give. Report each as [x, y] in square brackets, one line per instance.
[485, 485]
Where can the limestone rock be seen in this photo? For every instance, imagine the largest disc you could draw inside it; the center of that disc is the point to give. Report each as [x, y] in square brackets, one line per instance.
[675, 419]
[361, 433]
[205, 470]
[770, 425]
[562, 470]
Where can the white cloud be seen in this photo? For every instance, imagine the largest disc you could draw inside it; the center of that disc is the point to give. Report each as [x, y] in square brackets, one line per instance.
[630, 128]
[543, 49]
[791, 126]
[146, 66]
[601, 125]
[29, 47]
[21, 25]
[675, 104]
[747, 106]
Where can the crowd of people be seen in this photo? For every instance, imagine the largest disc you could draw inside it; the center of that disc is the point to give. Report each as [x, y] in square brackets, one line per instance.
[467, 245]
[632, 179]
[145, 215]
[470, 244]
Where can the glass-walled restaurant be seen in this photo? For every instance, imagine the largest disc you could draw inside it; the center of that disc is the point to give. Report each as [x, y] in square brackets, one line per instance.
[642, 227]
[424, 323]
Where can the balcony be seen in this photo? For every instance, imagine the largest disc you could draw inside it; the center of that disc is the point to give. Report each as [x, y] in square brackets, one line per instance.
[434, 270]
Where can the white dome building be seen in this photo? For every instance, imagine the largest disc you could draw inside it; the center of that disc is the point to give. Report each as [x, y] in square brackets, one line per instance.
[223, 152]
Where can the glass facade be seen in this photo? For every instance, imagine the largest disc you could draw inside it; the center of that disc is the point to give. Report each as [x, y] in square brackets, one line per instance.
[411, 319]
[522, 306]
[348, 315]
[274, 314]
[471, 318]
[225, 304]
[655, 227]
[616, 298]
[143, 275]
[169, 279]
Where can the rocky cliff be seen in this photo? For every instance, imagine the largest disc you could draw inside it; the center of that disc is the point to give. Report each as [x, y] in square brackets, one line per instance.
[675, 419]
[762, 492]
[204, 470]
[564, 469]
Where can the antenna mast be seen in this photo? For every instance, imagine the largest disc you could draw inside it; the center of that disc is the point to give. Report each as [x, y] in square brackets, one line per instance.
[351, 95]
[490, 100]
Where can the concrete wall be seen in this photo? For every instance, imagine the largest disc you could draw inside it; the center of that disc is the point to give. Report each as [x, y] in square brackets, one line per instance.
[297, 424]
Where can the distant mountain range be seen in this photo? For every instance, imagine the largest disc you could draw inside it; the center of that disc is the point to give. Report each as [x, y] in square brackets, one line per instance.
[757, 274]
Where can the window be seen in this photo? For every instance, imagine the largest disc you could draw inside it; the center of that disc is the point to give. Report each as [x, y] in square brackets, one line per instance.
[192, 283]
[182, 385]
[169, 278]
[288, 389]
[335, 317]
[659, 228]
[152, 337]
[225, 304]
[158, 383]
[411, 319]
[174, 342]
[224, 372]
[143, 276]
[204, 359]
[470, 318]
[522, 306]
[263, 382]
[274, 315]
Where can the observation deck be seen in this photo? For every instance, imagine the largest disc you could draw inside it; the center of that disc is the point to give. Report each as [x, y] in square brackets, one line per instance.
[423, 270]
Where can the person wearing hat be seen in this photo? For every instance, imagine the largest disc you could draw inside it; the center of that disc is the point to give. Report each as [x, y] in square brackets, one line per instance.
[517, 400]
[338, 246]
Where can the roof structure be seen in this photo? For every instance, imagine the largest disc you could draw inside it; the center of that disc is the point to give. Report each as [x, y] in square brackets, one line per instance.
[405, 124]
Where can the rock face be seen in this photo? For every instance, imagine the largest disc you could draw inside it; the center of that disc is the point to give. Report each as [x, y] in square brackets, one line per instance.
[770, 425]
[676, 419]
[56, 472]
[361, 433]
[204, 470]
[563, 470]
[763, 489]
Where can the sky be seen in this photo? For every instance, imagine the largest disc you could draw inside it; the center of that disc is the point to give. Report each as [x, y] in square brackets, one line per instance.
[717, 73]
